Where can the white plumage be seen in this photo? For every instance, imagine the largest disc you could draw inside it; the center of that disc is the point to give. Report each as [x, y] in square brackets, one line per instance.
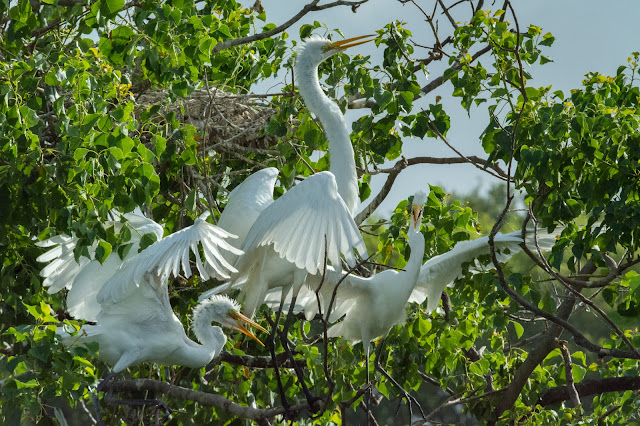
[85, 277]
[168, 255]
[129, 298]
[143, 328]
[287, 240]
[246, 202]
[378, 302]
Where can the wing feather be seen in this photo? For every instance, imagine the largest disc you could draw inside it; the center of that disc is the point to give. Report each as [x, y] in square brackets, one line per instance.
[306, 213]
[437, 272]
[168, 256]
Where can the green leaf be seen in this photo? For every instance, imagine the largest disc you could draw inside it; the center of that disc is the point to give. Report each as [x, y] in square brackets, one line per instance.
[147, 240]
[519, 328]
[547, 40]
[190, 203]
[113, 6]
[313, 138]
[29, 117]
[103, 251]
[79, 153]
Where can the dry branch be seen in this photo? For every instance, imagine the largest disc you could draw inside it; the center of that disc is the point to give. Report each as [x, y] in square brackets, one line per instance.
[590, 387]
[204, 398]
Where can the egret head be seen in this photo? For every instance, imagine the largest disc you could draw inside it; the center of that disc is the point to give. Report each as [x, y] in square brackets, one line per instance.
[226, 311]
[416, 211]
[317, 49]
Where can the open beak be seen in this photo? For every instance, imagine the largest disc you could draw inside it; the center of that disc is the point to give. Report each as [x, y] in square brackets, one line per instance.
[350, 42]
[239, 319]
[416, 215]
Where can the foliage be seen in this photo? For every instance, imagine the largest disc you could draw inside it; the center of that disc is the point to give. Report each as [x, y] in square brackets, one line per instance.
[79, 139]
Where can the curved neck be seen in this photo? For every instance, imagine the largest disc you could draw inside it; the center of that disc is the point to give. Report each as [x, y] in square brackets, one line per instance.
[343, 165]
[212, 338]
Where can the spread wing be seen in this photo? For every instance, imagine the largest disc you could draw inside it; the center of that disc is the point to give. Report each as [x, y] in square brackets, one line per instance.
[246, 202]
[441, 270]
[171, 254]
[297, 223]
[85, 277]
[62, 270]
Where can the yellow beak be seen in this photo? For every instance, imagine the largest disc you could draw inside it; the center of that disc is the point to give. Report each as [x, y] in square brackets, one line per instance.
[416, 215]
[350, 42]
[238, 317]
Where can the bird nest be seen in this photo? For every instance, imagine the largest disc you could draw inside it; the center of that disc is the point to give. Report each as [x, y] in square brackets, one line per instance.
[230, 122]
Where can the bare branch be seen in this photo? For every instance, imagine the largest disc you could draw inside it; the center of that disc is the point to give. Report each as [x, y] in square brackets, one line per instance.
[208, 399]
[379, 198]
[468, 159]
[590, 387]
[568, 372]
[310, 7]
[257, 361]
[439, 81]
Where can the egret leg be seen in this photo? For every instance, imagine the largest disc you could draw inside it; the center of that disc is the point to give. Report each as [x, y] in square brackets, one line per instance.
[95, 398]
[410, 399]
[272, 349]
[367, 396]
[311, 400]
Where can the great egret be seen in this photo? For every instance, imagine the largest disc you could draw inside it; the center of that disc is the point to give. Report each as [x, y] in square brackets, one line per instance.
[287, 241]
[142, 327]
[135, 321]
[86, 278]
[442, 270]
[387, 292]
[378, 303]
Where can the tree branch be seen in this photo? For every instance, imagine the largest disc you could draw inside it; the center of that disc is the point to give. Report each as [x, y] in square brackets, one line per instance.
[379, 198]
[256, 361]
[204, 398]
[310, 7]
[590, 387]
[568, 372]
[439, 81]
[468, 159]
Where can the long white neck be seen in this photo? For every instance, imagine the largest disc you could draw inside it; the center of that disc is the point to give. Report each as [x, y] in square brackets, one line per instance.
[412, 268]
[343, 165]
[211, 337]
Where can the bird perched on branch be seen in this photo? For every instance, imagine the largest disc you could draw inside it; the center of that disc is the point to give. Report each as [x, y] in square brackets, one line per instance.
[287, 242]
[129, 298]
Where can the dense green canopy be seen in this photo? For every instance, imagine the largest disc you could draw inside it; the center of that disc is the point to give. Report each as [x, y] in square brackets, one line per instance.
[112, 105]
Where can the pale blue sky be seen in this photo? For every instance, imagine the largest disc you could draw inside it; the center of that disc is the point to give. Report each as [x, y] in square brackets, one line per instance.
[590, 35]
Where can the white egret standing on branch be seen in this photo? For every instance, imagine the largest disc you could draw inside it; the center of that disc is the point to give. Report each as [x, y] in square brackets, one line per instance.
[377, 303]
[135, 321]
[287, 240]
